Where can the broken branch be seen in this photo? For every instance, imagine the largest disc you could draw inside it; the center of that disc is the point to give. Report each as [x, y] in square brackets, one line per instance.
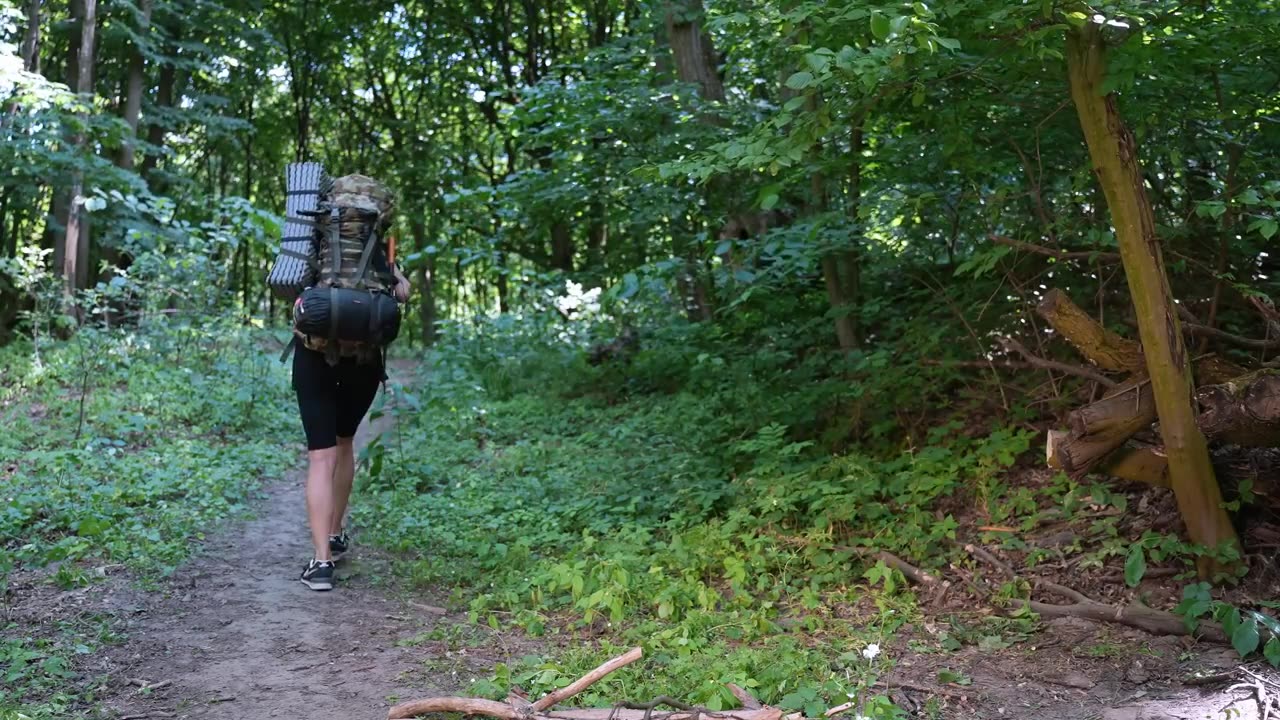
[587, 680]
[1036, 361]
[1108, 257]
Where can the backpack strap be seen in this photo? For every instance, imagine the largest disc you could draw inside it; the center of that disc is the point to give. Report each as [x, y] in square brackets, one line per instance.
[289, 348]
[311, 261]
[335, 251]
[369, 245]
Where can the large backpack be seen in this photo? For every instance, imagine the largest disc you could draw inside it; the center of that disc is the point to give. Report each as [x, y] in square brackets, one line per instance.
[347, 307]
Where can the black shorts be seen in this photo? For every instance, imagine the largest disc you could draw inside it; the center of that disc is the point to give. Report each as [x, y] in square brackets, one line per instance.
[332, 399]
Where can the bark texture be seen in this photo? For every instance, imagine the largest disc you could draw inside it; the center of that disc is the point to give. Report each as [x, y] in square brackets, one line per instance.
[1113, 151]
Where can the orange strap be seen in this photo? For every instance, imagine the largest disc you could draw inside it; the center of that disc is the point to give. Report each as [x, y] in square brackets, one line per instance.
[391, 249]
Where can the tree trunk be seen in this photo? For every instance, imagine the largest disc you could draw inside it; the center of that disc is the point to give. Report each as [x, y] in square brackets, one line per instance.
[5, 251]
[165, 92]
[694, 53]
[1113, 152]
[133, 90]
[561, 246]
[75, 241]
[427, 274]
[1244, 411]
[597, 234]
[31, 38]
[850, 260]
[833, 275]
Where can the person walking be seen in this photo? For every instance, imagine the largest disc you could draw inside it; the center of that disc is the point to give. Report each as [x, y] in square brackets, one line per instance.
[336, 381]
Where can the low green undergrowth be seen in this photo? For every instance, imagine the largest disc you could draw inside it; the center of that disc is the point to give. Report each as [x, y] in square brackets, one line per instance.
[122, 447]
[734, 548]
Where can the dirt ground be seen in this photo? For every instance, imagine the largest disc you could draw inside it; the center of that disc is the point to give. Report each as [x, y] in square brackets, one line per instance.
[235, 635]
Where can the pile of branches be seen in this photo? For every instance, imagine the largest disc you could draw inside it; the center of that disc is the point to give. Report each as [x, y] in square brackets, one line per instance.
[1113, 435]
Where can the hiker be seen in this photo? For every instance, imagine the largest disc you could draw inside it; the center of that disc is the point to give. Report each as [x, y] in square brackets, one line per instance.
[342, 324]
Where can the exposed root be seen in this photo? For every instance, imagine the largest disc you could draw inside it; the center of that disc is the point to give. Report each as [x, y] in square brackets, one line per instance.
[1141, 617]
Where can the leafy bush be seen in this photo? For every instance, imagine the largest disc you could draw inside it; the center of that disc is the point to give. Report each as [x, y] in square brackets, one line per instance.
[675, 510]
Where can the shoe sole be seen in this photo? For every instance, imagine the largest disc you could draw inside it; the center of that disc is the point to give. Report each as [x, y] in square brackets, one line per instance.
[317, 584]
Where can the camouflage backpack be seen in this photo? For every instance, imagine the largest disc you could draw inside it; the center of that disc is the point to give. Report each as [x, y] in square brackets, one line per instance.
[351, 221]
[351, 225]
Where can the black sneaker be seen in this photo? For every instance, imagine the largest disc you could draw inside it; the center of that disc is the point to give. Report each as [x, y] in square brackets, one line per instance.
[318, 575]
[339, 544]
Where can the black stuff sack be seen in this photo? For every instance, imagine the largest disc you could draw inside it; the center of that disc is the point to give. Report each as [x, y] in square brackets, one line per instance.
[347, 315]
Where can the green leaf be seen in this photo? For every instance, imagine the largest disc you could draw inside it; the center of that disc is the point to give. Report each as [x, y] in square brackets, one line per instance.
[768, 202]
[800, 80]
[880, 26]
[1268, 228]
[948, 43]
[1230, 618]
[91, 527]
[1246, 638]
[1272, 652]
[947, 675]
[1135, 566]
[819, 62]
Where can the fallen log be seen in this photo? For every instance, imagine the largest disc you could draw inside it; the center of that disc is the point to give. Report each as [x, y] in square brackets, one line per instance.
[1146, 464]
[1099, 345]
[1244, 411]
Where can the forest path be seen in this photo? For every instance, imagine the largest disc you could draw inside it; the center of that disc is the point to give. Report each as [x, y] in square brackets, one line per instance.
[235, 636]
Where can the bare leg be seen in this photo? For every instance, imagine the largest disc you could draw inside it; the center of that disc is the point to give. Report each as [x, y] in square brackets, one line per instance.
[343, 476]
[320, 497]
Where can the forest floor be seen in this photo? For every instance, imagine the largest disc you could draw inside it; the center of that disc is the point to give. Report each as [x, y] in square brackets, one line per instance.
[233, 634]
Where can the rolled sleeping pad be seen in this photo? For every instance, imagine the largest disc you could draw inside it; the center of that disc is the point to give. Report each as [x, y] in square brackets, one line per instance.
[362, 316]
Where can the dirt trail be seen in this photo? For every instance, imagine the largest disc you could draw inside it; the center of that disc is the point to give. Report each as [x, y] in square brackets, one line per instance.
[236, 636]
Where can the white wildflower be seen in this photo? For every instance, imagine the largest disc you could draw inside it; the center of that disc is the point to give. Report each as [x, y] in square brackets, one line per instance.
[871, 651]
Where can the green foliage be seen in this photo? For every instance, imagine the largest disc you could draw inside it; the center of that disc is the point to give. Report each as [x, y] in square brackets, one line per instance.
[115, 426]
[685, 517]
[1249, 631]
[133, 444]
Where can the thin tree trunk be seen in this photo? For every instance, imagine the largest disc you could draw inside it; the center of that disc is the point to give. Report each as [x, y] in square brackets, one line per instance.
[248, 195]
[5, 250]
[597, 234]
[1224, 240]
[1113, 151]
[833, 272]
[851, 260]
[31, 39]
[133, 90]
[56, 229]
[75, 243]
[427, 273]
[165, 92]
[561, 246]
